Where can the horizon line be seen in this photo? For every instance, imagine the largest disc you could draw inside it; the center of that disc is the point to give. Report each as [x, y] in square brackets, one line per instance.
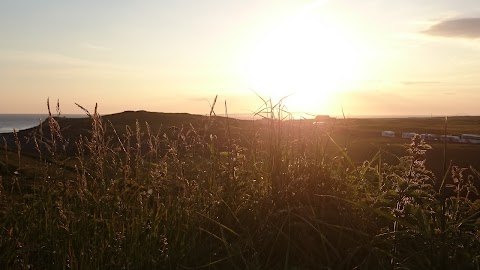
[235, 115]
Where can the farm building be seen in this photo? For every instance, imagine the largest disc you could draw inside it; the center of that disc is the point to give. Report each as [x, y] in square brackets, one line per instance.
[471, 138]
[429, 137]
[450, 138]
[408, 135]
[388, 133]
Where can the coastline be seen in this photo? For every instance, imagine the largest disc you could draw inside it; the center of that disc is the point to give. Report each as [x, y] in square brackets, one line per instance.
[17, 122]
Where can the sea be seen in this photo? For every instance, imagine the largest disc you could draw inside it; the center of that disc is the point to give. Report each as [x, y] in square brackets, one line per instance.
[10, 122]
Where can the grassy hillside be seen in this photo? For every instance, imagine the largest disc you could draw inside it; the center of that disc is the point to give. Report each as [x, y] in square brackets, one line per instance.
[187, 191]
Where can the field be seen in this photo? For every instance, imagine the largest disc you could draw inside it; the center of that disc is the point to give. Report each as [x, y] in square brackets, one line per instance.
[188, 191]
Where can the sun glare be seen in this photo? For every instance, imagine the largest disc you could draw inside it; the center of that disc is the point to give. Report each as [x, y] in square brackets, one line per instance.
[306, 58]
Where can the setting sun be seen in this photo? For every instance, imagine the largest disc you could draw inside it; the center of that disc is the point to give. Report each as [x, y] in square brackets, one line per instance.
[307, 58]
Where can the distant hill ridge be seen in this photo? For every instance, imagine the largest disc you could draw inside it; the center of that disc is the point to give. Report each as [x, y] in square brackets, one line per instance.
[116, 125]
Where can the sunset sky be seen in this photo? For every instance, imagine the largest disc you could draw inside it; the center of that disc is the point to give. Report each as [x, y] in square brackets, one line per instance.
[390, 57]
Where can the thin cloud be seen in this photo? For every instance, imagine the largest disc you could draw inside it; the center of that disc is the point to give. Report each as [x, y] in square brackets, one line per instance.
[463, 27]
[197, 99]
[48, 59]
[91, 46]
[55, 64]
[420, 82]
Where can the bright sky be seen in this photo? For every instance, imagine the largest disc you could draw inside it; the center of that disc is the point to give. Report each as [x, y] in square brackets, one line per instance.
[390, 57]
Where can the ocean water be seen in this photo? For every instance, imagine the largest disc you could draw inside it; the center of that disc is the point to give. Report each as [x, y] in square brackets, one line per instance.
[9, 122]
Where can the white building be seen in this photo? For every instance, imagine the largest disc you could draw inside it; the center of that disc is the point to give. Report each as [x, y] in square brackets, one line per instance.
[388, 133]
[471, 138]
[408, 135]
[450, 138]
[429, 136]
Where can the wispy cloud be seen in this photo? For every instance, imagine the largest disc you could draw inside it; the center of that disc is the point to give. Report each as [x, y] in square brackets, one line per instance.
[55, 64]
[419, 82]
[46, 59]
[462, 27]
[91, 46]
[197, 99]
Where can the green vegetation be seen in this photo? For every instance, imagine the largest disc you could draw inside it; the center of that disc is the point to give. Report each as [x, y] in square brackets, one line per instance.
[217, 193]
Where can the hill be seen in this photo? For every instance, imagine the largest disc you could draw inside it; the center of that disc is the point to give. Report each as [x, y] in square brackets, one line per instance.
[361, 136]
[190, 191]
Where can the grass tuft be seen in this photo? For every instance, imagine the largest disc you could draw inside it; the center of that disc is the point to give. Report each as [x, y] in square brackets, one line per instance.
[213, 193]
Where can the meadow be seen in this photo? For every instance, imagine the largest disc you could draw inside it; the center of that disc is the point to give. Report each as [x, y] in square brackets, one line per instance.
[140, 190]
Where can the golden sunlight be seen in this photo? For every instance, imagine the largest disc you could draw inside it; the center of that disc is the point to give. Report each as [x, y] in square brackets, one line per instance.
[307, 58]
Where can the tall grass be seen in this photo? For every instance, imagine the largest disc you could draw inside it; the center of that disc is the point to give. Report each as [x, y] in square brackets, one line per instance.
[204, 196]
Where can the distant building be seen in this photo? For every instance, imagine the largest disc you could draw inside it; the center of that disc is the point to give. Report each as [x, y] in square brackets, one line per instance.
[408, 135]
[388, 133]
[450, 138]
[322, 118]
[471, 138]
[429, 137]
